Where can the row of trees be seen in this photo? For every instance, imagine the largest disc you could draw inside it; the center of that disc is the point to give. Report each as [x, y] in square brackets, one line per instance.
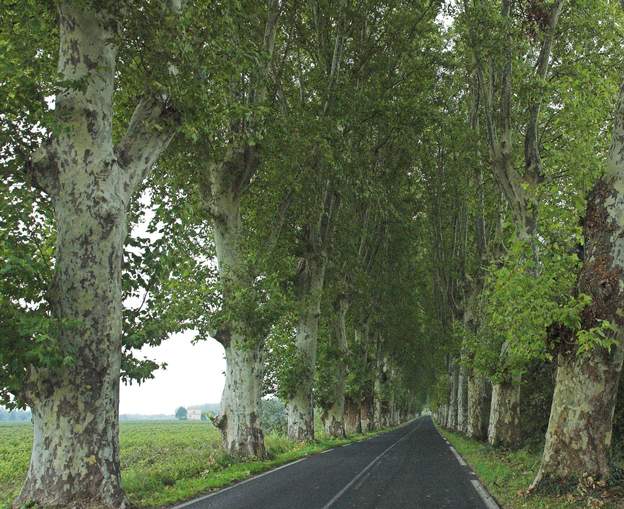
[536, 304]
[244, 169]
[373, 206]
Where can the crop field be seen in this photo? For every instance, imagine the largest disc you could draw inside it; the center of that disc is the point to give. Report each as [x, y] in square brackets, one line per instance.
[162, 462]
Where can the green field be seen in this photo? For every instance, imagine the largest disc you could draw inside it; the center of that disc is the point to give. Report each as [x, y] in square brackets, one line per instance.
[162, 461]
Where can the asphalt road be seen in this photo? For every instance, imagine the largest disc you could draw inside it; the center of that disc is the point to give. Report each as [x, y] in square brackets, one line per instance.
[411, 467]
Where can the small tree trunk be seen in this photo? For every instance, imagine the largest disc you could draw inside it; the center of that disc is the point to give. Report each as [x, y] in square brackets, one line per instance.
[454, 375]
[504, 426]
[334, 420]
[478, 407]
[353, 423]
[380, 396]
[334, 416]
[462, 400]
[301, 404]
[378, 408]
[239, 418]
[445, 415]
[366, 413]
[396, 414]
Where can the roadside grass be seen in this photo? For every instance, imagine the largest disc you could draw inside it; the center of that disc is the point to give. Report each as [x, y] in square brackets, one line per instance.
[164, 462]
[507, 475]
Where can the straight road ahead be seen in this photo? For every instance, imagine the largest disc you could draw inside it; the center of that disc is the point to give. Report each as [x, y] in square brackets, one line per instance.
[411, 467]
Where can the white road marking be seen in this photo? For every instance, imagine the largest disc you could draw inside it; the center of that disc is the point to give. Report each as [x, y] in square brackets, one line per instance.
[459, 458]
[362, 480]
[489, 502]
[210, 495]
[240, 483]
[366, 469]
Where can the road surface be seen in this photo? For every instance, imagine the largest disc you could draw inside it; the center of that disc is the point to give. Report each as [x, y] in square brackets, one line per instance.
[411, 467]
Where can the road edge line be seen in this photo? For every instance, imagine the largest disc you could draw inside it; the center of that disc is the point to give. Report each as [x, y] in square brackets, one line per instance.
[461, 460]
[488, 500]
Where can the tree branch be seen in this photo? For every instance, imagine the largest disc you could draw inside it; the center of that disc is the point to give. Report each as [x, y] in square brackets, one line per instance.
[42, 170]
[152, 127]
[532, 160]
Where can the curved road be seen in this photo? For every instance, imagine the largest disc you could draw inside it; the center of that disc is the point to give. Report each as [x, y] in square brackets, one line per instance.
[411, 467]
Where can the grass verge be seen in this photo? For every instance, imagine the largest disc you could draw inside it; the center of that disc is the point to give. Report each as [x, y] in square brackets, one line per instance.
[164, 462]
[507, 475]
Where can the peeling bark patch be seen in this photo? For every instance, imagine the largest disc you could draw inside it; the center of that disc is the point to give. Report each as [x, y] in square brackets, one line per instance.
[86, 158]
[602, 273]
[74, 56]
[92, 122]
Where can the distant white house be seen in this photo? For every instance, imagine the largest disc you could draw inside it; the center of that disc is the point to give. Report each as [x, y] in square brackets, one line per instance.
[194, 414]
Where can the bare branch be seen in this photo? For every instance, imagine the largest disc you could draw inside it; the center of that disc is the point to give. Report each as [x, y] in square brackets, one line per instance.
[281, 219]
[533, 163]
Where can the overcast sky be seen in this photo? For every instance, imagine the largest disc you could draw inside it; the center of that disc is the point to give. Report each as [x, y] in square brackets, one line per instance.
[194, 375]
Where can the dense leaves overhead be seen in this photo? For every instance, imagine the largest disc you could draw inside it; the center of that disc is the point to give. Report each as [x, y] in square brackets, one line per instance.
[370, 126]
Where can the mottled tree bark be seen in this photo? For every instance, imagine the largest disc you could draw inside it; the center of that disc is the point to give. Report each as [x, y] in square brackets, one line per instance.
[478, 407]
[353, 423]
[334, 416]
[75, 455]
[309, 290]
[243, 342]
[462, 399]
[380, 391]
[367, 412]
[504, 429]
[578, 440]
[579, 433]
[300, 404]
[453, 385]
[224, 185]
[239, 418]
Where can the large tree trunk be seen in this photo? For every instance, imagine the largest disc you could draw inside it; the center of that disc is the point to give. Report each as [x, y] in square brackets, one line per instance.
[239, 414]
[578, 440]
[242, 335]
[504, 429]
[334, 416]
[75, 455]
[579, 433]
[301, 404]
[478, 407]
[239, 419]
